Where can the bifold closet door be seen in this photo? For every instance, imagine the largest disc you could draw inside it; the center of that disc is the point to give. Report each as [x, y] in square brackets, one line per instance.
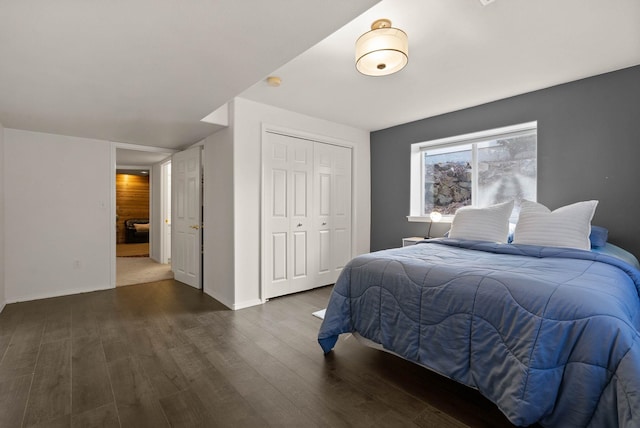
[332, 210]
[287, 186]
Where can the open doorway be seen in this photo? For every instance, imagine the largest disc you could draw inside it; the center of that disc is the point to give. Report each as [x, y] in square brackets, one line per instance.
[143, 215]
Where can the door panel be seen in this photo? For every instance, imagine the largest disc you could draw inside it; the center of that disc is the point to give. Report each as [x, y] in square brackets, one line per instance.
[333, 215]
[301, 167]
[186, 238]
[342, 212]
[279, 256]
[287, 168]
[322, 207]
[324, 253]
[300, 194]
[325, 195]
[342, 240]
[299, 254]
[279, 193]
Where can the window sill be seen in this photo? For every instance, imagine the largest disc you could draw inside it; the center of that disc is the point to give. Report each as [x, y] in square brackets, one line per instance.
[427, 219]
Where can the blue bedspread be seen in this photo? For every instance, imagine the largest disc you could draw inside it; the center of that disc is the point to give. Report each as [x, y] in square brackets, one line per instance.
[548, 334]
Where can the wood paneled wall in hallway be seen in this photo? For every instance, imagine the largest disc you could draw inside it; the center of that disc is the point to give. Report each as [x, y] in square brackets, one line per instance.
[132, 200]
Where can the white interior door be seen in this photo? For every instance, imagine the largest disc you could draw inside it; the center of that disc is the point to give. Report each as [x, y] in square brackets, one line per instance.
[287, 184]
[332, 210]
[340, 225]
[186, 208]
[323, 190]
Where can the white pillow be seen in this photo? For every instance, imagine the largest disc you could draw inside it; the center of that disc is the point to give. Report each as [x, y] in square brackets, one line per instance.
[568, 226]
[482, 224]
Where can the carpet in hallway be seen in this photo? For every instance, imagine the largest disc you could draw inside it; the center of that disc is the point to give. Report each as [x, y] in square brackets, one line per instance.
[139, 270]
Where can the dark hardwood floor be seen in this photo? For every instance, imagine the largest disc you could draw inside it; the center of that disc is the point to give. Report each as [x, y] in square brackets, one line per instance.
[164, 354]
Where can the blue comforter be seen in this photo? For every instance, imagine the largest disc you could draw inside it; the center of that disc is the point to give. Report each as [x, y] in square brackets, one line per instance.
[548, 334]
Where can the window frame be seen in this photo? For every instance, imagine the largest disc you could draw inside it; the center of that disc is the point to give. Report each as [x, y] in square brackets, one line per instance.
[416, 209]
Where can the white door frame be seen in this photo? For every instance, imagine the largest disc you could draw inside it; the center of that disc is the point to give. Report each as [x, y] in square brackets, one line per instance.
[112, 203]
[295, 133]
[165, 208]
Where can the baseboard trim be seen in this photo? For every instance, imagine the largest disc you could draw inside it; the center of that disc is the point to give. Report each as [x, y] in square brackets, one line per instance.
[234, 306]
[213, 296]
[57, 293]
[247, 304]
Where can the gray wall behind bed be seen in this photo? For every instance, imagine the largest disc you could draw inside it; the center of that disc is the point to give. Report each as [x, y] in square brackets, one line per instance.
[588, 148]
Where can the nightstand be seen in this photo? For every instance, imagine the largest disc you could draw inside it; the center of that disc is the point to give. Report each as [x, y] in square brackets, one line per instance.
[412, 240]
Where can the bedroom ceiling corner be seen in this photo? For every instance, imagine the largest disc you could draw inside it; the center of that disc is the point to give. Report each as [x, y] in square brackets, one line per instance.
[461, 54]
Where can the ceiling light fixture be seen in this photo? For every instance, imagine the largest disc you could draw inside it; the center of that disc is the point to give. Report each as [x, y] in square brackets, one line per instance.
[274, 81]
[383, 50]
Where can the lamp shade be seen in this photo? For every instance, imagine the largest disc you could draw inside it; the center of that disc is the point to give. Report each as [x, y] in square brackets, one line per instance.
[383, 50]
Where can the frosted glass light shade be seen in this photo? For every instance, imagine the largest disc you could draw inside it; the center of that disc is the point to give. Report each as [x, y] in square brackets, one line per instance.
[382, 51]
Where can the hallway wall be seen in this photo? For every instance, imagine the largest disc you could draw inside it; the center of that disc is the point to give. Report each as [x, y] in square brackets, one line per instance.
[58, 212]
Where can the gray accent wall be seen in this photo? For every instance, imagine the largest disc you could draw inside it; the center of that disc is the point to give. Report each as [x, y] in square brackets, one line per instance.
[588, 148]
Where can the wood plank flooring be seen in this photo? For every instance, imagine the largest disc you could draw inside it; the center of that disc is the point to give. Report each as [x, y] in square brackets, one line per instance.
[163, 354]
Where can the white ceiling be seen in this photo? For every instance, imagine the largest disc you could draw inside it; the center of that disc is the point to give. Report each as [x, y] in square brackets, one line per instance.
[146, 71]
[461, 54]
[137, 159]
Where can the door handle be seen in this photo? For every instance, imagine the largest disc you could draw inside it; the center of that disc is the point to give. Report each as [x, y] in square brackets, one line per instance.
[299, 225]
[195, 226]
[324, 223]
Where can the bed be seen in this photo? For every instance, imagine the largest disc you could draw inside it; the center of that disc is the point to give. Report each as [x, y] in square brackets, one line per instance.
[550, 335]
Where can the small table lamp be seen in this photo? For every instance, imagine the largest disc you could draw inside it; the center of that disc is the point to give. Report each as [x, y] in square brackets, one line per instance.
[435, 217]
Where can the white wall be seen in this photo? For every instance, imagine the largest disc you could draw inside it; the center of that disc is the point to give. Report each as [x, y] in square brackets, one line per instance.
[58, 215]
[218, 235]
[2, 227]
[242, 251]
[58, 210]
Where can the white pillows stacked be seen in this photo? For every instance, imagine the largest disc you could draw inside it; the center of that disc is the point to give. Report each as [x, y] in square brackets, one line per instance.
[568, 226]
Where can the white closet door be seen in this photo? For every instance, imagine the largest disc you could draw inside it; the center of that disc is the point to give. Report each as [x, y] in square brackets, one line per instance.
[287, 187]
[332, 210]
[341, 222]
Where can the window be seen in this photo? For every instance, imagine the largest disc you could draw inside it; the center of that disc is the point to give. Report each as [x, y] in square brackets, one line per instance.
[477, 169]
